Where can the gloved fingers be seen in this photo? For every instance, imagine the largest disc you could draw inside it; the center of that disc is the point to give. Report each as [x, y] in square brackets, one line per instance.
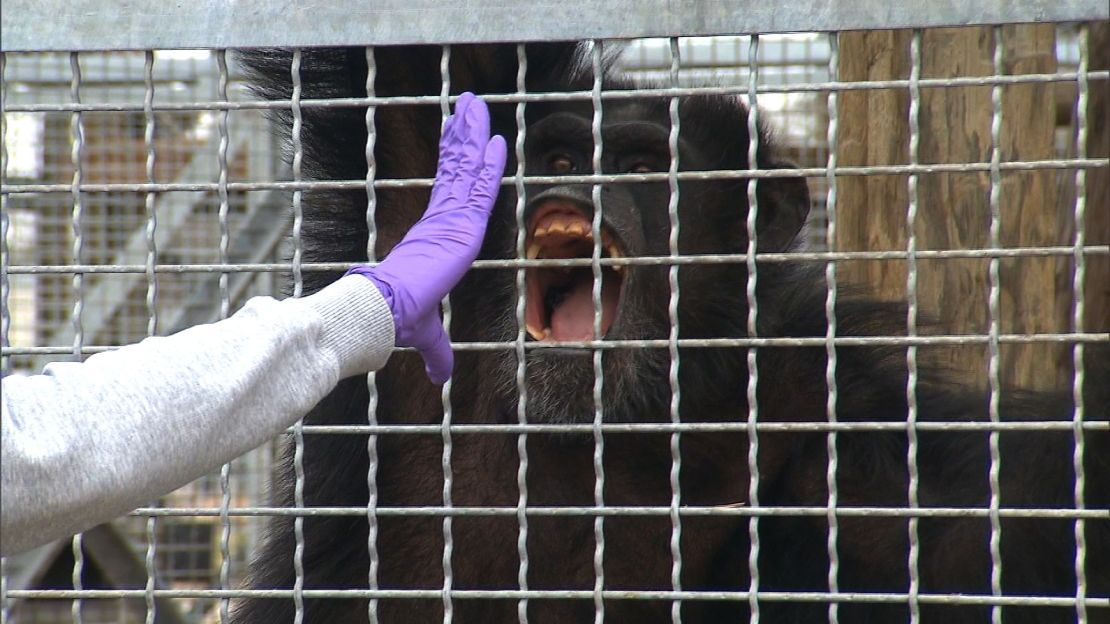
[449, 142]
[474, 135]
[447, 153]
[466, 98]
[460, 234]
[439, 361]
[445, 135]
[450, 148]
[488, 185]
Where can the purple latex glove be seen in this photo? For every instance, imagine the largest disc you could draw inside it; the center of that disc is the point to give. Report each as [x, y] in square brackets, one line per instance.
[421, 269]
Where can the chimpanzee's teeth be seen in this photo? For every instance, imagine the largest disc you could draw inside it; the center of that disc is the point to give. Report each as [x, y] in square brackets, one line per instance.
[538, 334]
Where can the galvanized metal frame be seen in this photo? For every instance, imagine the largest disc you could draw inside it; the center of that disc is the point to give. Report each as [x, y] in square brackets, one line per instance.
[136, 25]
[754, 18]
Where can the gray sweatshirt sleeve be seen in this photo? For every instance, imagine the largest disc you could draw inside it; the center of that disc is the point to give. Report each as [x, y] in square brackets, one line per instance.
[85, 442]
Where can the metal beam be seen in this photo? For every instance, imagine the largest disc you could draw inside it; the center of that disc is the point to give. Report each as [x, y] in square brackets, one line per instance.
[174, 211]
[258, 239]
[107, 549]
[30, 25]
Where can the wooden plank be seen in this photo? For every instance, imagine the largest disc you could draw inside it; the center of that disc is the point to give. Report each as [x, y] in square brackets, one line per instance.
[954, 208]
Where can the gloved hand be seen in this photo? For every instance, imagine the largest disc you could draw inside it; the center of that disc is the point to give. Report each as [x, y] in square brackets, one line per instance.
[421, 269]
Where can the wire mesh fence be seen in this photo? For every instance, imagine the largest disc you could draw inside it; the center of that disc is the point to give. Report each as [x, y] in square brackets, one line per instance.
[953, 171]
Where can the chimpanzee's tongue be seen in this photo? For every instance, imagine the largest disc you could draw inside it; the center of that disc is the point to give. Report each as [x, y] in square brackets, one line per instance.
[573, 319]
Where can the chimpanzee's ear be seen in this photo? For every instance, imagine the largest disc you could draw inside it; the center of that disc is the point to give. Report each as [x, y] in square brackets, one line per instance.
[553, 59]
[783, 208]
[718, 127]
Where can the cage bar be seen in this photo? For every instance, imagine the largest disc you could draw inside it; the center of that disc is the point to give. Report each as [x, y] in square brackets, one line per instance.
[371, 378]
[1078, 361]
[993, 330]
[445, 392]
[521, 336]
[672, 349]
[914, 553]
[595, 295]
[298, 286]
[753, 331]
[151, 301]
[77, 133]
[830, 337]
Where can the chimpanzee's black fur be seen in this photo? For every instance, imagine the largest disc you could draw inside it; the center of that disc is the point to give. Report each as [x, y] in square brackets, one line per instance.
[1038, 555]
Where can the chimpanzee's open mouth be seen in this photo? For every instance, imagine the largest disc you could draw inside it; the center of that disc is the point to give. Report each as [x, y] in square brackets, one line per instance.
[559, 300]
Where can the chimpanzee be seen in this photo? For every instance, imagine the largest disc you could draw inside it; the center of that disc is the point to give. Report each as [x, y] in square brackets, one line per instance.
[1038, 554]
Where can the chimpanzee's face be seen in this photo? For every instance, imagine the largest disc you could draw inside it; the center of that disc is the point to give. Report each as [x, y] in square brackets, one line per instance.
[624, 302]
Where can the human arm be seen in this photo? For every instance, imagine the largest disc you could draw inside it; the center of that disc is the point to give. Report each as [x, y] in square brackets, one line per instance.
[85, 442]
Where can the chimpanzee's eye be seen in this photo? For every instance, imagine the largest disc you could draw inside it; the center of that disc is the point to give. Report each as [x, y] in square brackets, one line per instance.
[561, 164]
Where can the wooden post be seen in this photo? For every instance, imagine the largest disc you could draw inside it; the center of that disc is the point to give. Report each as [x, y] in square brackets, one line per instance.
[954, 208]
[1036, 292]
[1097, 291]
[871, 210]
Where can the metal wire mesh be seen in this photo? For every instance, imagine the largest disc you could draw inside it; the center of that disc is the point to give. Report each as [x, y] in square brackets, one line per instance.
[150, 229]
[142, 194]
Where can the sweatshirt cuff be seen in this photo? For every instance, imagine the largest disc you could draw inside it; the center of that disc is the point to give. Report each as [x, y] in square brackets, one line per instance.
[357, 324]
